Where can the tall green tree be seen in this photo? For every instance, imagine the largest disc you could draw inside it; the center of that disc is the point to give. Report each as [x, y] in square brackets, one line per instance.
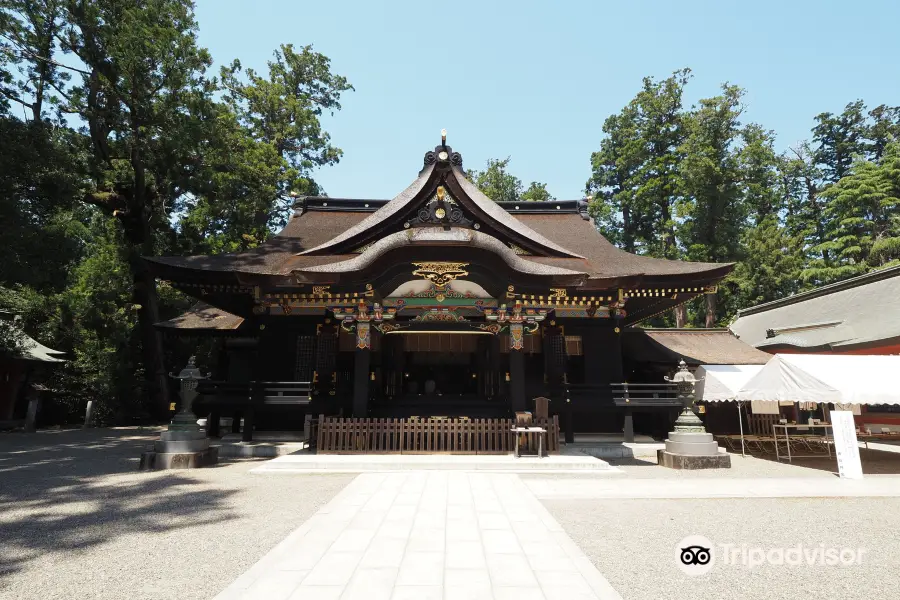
[613, 169]
[769, 267]
[713, 209]
[30, 77]
[885, 129]
[863, 217]
[839, 140]
[284, 111]
[635, 179]
[140, 100]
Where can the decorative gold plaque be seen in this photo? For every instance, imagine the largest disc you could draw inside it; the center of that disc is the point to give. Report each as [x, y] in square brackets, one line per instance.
[440, 273]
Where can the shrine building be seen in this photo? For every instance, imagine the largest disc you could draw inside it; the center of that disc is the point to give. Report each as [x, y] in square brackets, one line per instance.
[437, 303]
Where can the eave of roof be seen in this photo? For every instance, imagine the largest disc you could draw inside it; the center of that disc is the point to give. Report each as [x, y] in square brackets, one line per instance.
[202, 317]
[694, 346]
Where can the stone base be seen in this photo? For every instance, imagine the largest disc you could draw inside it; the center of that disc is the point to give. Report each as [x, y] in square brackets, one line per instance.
[181, 442]
[720, 460]
[691, 443]
[152, 460]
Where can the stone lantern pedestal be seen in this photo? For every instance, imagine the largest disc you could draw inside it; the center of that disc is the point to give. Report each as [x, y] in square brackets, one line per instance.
[690, 446]
[184, 445]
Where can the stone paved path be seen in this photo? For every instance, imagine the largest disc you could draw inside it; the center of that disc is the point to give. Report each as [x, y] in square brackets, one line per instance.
[427, 535]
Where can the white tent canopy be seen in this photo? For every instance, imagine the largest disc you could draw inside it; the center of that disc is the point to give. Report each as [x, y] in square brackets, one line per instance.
[825, 378]
[721, 383]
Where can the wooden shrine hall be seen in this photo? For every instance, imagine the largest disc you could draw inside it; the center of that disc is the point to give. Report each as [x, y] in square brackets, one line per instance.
[437, 305]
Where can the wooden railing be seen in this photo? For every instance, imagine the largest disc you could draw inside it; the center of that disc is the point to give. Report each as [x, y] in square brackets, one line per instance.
[645, 394]
[245, 398]
[268, 392]
[430, 436]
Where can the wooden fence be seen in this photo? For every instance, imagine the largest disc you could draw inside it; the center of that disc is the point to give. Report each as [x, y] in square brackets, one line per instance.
[761, 424]
[430, 436]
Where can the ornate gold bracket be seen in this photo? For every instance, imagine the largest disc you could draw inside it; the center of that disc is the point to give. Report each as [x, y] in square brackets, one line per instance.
[440, 273]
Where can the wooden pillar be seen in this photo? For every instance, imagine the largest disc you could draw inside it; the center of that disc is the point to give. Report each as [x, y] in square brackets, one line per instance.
[249, 414]
[361, 365]
[517, 367]
[570, 421]
[628, 429]
[212, 423]
[494, 366]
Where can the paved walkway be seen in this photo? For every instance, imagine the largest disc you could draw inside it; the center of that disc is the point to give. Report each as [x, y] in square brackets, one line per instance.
[783, 487]
[427, 535]
[304, 462]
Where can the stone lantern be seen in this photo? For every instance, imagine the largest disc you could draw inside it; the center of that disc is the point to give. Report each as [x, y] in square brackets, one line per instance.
[687, 421]
[689, 446]
[184, 445]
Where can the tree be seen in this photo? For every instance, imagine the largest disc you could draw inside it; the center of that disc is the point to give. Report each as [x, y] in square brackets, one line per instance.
[237, 183]
[29, 30]
[769, 267]
[713, 208]
[496, 183]
[863, 217]
[884, 130]
[141, 97]
[613, 168]
[635, 179]
[159, 163]
[536, 192]
[284, 112]
[839, 140]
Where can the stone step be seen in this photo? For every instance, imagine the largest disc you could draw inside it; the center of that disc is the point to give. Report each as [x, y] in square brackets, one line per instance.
[361, 463]
[259, 449]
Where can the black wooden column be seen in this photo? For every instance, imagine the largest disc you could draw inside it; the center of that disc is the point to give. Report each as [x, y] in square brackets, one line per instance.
[517, 367]
[628, 427]
[602, 349]
[362, 362]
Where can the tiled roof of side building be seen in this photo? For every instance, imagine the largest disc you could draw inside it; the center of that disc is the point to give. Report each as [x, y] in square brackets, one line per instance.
[861, 311]
[695, 346]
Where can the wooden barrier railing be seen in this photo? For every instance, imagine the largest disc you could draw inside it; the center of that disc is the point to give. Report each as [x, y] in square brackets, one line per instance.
[430, 436]
[761, 424]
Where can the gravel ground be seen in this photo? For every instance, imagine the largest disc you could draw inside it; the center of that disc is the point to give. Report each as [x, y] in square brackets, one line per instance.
[874, 464]
[79, 520]
[633, 544]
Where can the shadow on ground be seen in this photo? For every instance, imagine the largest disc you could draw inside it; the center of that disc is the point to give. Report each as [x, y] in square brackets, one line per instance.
[68, 490]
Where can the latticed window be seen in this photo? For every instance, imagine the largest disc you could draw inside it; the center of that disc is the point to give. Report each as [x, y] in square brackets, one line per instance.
[558, 352]
[306, 357]
[326, 353]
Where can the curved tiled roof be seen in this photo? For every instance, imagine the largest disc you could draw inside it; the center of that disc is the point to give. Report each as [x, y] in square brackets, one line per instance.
[603, 260]
[555, 235]
[437, 235]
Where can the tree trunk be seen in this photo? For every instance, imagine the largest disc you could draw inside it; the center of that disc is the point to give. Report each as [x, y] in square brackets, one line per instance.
[711, 310]
[144, 292]
[627, 230]
[144, 295]
[680, 315]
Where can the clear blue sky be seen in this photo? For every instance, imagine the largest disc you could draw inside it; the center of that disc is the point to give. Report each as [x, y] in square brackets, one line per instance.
[535, 80]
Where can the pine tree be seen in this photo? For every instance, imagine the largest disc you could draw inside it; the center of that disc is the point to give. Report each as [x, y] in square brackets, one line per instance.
[863, 210]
